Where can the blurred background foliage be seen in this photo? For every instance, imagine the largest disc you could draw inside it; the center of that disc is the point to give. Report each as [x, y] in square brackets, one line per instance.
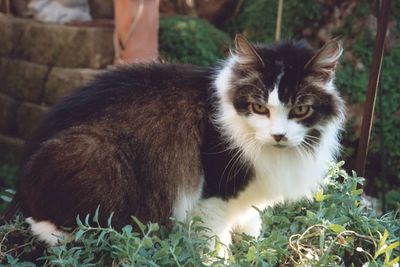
[191, 40]
[202, 33]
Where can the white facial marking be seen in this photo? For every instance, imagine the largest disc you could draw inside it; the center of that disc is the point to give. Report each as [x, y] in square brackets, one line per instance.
[273, 98]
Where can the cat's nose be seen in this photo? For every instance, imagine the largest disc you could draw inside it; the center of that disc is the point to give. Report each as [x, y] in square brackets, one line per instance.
[278, 137]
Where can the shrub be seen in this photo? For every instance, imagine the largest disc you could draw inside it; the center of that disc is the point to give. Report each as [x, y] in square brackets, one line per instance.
[7, 180]
[191, 40]
[257, 20]
[336, 229]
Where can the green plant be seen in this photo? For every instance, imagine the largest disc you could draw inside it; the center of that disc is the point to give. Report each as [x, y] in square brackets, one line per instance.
[336, 229]
[7, 180]
[257, 20]
[191, 40]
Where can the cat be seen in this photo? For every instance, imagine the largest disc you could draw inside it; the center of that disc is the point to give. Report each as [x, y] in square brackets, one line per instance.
[166, 140]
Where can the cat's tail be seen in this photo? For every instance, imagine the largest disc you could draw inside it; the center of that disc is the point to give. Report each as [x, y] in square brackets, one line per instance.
[11, 211]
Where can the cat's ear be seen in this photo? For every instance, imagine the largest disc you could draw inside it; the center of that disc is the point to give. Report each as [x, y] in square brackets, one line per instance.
[323, 64]
[246, 51]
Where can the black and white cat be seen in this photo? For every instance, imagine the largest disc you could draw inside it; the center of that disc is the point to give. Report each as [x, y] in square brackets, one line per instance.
[163, 140]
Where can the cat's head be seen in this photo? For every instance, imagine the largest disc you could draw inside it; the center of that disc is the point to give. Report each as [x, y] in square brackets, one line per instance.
[280, 95]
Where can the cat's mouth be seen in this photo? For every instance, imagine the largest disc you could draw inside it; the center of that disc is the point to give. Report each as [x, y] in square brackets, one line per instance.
[279, 145]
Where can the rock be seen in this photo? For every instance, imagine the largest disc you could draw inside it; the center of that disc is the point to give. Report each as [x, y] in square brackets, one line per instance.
[56, 45]
[28, 118]
[22, 79]
[8, 108]
[101, 9]
[62, 81]
[11, 149]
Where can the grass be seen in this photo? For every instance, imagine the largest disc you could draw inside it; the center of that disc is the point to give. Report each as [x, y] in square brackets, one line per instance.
[336, 229]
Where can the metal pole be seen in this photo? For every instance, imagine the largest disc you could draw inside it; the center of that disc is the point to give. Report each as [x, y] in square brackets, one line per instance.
[372, 87]
[279, 21]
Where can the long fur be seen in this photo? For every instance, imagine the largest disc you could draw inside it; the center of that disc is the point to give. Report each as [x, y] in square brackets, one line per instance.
[164, 140]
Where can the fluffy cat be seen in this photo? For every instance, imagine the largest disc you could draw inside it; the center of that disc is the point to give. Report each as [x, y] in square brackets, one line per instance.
[162, 140]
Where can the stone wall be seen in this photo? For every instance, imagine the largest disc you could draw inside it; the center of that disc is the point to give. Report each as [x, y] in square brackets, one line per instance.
[39, 64]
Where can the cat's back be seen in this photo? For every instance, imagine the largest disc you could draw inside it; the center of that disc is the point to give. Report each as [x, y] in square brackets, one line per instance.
[123, 96]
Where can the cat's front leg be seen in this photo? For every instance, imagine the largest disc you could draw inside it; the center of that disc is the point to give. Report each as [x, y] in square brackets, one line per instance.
[213, 212]
[249, 223]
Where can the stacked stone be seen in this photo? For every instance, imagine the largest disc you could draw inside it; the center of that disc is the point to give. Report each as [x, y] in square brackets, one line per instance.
[39, 64]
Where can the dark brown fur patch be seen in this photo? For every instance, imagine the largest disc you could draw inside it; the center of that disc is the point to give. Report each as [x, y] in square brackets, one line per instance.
[127, 143]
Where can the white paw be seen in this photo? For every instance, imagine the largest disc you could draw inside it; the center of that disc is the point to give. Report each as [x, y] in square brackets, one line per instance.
[47, 232]
[250, 225]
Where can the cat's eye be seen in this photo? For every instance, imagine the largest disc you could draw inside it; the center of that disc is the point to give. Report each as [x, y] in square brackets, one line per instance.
[259, 109]
[301, 111]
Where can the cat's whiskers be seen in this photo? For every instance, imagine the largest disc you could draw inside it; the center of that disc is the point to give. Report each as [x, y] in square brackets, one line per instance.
[312, 137]
[311, 142]
[307, 146]
[239, 161]
[299, 151]
[217, 152]
[233, 160]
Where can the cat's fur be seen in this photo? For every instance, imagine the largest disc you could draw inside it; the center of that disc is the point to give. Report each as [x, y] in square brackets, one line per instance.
[163, 140]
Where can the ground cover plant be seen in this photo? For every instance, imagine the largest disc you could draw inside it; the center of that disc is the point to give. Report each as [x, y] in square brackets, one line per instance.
[335, 229]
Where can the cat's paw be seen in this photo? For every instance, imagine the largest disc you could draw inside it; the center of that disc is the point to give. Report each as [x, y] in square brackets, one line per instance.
[250, 225]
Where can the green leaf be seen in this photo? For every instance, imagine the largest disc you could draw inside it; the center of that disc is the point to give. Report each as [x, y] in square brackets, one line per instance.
[251, 254]
[154, 227]
[127, 229]
[139, 223]
[356, 192]
[337, 228]
[6, 198]
[384, 248]
[79, 234]
[11, 191]
[78, 221]
[394, 261]
[340, 163]
[109, 220]
[383, 239]
[319, 195]
[310, 214]
[147, 242]
[322, 240]
[96, 215]
[341, 220]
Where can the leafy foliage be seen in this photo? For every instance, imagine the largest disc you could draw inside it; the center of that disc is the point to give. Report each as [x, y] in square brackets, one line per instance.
[191, 40]
[7, 179]
[257, 20]
[336, 229]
